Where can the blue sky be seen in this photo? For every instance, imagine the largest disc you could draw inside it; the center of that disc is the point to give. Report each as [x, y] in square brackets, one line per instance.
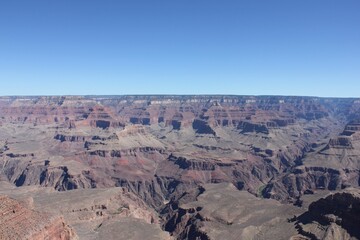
[253, 47]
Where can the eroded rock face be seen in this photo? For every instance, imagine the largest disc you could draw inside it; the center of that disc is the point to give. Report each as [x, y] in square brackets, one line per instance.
[251, 127]
[104, 112]
[302, 179]
[159, 147]
[18, 222]
[218, 211]
[203, 115]
[333, 217]
[345, 206]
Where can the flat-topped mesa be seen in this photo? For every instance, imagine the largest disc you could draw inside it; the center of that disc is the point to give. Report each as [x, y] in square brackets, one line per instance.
[105, 124]
[344, 140]
[340, 142]
[18, 222]
[352, 128]
[67, 111]
[71, 138]
[247, 127]
[124, 152]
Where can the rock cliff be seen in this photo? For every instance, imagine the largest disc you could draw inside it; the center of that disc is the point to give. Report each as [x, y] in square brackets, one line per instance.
[19, 222]
[333, 217]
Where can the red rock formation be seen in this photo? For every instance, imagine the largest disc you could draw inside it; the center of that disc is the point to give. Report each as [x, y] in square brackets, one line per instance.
[18, 222]
[114, 112]
[159, 146]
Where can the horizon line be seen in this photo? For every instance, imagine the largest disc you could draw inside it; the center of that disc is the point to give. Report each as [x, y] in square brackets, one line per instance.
[174, 95]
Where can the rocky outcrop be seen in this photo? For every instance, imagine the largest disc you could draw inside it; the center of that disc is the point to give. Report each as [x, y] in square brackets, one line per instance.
[242, 174]
[104, 124]
[65, 138]
[201, 127]
[26, 174]
[341, 208]
[247, 127]
[184, 163]
[151, 191]
[124, 152]
[184, 223]
[340, 142]
[353, 126]
[143, 121]
[280, 122]
[18, 222]
[303, 179]
[335, 217]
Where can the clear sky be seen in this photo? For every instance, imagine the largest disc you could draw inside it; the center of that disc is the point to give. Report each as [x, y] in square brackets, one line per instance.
[252, 47]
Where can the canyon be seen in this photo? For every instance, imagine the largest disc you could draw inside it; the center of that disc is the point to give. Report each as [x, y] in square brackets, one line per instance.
[179, 167]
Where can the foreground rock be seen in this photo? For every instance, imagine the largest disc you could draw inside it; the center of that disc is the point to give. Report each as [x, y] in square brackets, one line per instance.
[19, 222]
[111, 213]
[333, 217]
